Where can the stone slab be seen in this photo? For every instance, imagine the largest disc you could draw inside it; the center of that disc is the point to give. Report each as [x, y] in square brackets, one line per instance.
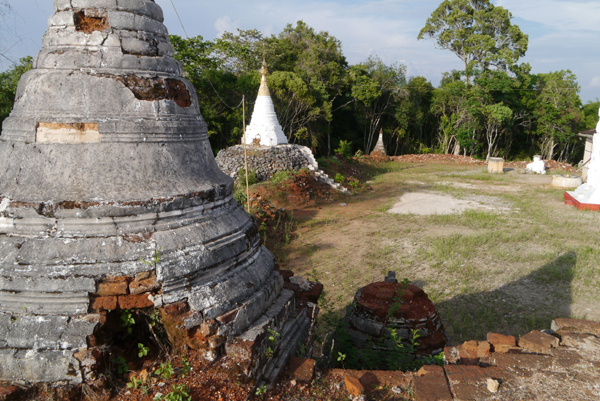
[432, 385]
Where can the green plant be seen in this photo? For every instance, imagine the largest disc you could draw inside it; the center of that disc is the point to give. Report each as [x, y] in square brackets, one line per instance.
[353, 184]
[128, 320]
[261, 391]
[142, 350]
[186, 367]
[397, 300]
[135, 383]
[156, 257]
[165, 371]
[339, 178]
[280, 176]
[120, 365]
[301, 352]
[269, 352]
[345, 149]
[359, 153]
[252, 177]
[341, 358]
[240, 197]
[154, 317]
[180, 393]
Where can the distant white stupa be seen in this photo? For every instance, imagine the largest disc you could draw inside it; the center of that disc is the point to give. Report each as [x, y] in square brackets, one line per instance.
[264, 128]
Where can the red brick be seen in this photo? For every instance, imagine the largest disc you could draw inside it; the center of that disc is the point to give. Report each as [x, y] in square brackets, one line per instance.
[99, 304]
[539, 342]
[209, 328]
[176, 309]
[430, 384]
[353, 385]
[139, 287]
[11, 393]
[500, 340]
[573, 339]
[576, 326]
[113, 286]
[522, 361]
[134, 301]
[483, 349]
[470, 382]
[301, 369]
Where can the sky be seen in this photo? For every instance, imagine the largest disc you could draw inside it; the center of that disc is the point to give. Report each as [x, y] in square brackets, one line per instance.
[562, 34]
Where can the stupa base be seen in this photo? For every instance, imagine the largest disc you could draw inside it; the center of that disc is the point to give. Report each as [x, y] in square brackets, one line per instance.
[582, 200]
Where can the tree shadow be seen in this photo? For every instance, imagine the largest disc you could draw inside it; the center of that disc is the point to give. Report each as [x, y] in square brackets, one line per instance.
[516, 308]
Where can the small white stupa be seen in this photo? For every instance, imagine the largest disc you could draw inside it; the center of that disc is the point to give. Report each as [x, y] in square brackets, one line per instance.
[264, 128]
[587, 196]
[537, 166]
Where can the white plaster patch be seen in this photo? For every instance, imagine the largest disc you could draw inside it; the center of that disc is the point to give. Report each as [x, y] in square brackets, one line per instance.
[67, 133]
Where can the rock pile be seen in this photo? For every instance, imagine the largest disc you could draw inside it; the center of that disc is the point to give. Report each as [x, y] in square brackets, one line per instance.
[266, 160]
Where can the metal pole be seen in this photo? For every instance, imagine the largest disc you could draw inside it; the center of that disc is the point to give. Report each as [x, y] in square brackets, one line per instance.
[245, 152]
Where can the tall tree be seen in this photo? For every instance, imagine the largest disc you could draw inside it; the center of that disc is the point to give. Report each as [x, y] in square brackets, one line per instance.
[558, 113]
[478, 32]
[376, 88]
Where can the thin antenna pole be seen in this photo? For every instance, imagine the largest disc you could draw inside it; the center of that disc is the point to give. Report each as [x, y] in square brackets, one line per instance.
[245, 152]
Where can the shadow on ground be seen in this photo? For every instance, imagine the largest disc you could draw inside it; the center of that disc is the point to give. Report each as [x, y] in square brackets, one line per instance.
[529, 303]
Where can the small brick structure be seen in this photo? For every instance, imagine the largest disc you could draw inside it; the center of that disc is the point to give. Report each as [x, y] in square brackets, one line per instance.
[380, 307]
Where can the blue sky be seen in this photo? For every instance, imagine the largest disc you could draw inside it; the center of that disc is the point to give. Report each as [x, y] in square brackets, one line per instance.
[562, 34]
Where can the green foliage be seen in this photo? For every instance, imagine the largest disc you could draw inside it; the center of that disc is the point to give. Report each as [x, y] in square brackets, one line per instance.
[240, 197]
[478, 33]
[165, 371]
[127, 320]
[261, 391]
[252, 177]
[156, 257]
[345, 149]
[119, 365]
[142, 350]
[280, 176]
[339, 178]
[186, 367]
[492, 107]
[180, 392]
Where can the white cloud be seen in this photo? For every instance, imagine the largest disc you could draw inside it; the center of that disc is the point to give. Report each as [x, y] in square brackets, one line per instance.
[225, 24]
[557, 15]
[595, 82]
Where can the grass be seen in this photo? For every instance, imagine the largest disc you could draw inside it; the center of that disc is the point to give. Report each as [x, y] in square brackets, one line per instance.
[507, 271]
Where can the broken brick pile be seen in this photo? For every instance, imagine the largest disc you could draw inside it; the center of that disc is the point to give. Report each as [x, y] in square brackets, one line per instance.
[558, 364]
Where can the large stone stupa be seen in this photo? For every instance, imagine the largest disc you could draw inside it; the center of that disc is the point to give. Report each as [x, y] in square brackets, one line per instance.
[587, 196]
[104, 160]
[264, 128]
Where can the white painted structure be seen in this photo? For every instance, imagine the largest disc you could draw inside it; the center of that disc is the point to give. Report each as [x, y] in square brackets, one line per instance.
[537, 166]
[589, 193]
[264, 128]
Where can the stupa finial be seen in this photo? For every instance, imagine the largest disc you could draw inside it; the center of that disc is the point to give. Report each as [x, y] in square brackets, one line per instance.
[264, 71]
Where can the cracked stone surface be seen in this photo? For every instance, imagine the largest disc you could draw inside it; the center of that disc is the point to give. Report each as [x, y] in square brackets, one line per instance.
[104, 159]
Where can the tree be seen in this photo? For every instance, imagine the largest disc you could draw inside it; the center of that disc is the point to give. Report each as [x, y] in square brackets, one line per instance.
[317, 59]
[478, 32]
[376, 88]
[9, 81]
[558, 113]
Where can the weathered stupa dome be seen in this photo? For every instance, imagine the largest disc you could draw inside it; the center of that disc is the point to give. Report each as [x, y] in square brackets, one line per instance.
[264, 128]
[104, 160]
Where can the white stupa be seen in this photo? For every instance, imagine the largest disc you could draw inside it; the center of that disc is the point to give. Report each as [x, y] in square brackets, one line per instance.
[587, 196]
[264, 128]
